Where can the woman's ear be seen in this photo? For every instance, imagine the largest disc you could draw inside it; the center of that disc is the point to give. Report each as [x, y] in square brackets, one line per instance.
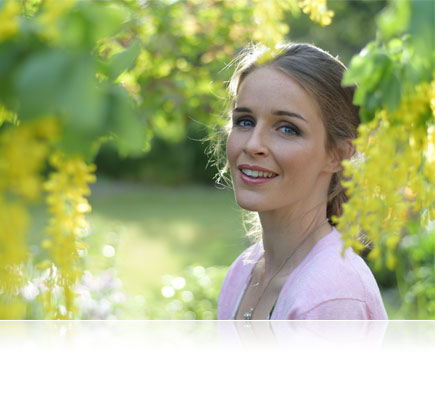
[348, 149]
[344, 150]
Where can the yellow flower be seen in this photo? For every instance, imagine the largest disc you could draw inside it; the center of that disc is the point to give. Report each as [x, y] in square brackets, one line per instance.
[266, 29]
[23, 151]
[269, 54]
[395, 177]
[13, 309]
[14, 221]
[9, 19]
[66, 190]
[432, 97]
[318, 11]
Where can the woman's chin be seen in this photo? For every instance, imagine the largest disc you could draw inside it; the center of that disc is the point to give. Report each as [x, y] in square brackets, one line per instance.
[251, 205]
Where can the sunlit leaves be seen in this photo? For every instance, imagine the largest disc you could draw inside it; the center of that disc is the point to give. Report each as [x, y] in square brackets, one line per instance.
[125, 124]
[118, 71]
[394, 20]
[318, 11]
[379, 73]
[9, 12]
[390, 185]
[124, 60]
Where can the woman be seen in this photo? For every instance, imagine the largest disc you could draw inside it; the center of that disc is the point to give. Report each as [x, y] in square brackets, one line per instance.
[292, 125]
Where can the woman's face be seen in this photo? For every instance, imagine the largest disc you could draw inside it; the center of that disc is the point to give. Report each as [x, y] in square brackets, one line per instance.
[276, 148]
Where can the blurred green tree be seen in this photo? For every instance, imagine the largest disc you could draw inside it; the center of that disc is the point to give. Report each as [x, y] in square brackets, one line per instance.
[113, 78]
[75, 74]
[178, 153]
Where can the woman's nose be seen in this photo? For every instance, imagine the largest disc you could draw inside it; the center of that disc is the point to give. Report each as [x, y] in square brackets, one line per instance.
[256, 145]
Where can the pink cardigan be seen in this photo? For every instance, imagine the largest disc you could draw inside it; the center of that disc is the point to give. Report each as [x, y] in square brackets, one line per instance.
[324, 285]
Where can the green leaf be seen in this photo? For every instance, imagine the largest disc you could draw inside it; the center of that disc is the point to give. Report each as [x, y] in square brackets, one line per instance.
[105, 18]
[128, 130]
[368, 70]
[81, 142]
[9, 58]
[82, 100]
[422, 30]
[125, 60]
[391, 89]
[394, 19]
[39, 82]
[58, 82]
[172, 130]
[360, 66]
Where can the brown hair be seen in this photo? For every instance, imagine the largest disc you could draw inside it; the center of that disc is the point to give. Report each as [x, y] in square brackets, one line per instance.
[320, 74]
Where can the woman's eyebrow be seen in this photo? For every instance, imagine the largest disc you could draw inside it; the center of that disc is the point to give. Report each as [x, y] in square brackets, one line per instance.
[278, 112]
[290, 114]
[242, 109]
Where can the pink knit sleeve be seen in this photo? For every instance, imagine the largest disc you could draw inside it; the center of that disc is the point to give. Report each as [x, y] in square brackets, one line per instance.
[338, 309]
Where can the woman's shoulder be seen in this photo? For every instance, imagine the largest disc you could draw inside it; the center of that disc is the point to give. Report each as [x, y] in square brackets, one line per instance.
[341, 274]
[329, 279]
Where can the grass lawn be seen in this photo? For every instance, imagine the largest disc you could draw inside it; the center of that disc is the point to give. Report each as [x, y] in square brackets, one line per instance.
[157, 230]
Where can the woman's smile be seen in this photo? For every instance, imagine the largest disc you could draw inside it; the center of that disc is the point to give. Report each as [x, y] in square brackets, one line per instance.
[255, 175]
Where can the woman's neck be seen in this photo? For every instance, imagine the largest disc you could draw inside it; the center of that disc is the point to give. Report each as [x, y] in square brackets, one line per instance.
[284, 236]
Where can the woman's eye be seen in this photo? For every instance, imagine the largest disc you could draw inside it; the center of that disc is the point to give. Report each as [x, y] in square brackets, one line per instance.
[289, 130]
[244, 123]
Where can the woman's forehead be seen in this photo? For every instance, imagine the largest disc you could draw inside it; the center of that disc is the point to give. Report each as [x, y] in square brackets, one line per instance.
[270, 88]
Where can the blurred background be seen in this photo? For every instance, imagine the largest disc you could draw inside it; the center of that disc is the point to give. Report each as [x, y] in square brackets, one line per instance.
[162, 232]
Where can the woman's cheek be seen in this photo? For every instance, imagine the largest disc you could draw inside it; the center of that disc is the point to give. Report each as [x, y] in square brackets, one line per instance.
[232, 149]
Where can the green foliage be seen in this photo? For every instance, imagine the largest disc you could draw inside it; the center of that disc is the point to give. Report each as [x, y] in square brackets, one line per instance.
[395, 92]
[394, 19]
[167, 162]
[187, 110]
[416, 272]
[124, 73]
[352, 27]
[125, 60]
[378, 75]
[395, 62]
[55, 70]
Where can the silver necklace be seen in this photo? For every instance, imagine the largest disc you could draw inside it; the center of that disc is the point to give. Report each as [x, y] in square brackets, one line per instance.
[248, 315]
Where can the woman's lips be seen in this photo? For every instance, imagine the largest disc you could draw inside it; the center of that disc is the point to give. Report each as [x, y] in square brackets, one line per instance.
[254, 175]
[255, 168]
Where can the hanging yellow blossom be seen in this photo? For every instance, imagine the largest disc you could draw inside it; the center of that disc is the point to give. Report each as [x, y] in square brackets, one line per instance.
[432, 97]
[266, 14]
[14, 221]
[318, 11]
[24, 149]
[9, 19]
[23, 152]
[67, 188]
[398, 178]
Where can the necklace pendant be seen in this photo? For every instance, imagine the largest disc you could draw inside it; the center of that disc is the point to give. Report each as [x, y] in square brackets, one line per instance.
[248, 315]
